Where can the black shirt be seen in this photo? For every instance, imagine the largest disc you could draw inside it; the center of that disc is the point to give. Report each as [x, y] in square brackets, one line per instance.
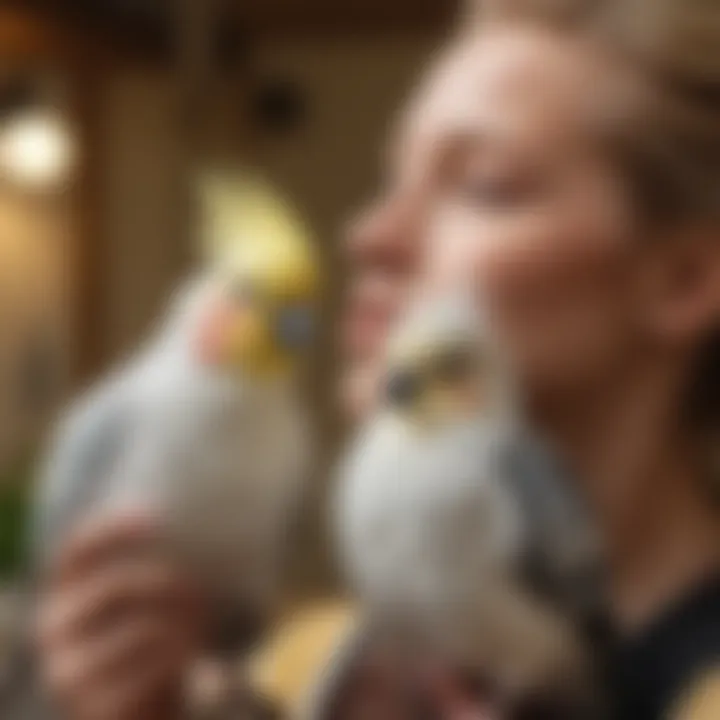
[650, 672]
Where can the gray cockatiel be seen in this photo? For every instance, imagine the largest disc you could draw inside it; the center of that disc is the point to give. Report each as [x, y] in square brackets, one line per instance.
[434, 530]
[204, 427]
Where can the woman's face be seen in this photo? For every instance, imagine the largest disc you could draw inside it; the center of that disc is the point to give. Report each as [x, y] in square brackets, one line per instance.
[498, 178]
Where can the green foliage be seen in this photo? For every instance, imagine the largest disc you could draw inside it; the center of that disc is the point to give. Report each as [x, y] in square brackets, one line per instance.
[15, 500]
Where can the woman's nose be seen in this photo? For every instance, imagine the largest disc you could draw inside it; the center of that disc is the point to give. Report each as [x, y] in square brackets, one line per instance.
[384, 234]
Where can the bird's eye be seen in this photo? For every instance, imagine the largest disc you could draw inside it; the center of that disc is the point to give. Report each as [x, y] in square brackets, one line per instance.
[296, 327]
[454, 365]
[403, 388]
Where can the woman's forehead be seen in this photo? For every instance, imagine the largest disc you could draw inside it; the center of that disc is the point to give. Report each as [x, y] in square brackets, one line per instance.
[518, 84]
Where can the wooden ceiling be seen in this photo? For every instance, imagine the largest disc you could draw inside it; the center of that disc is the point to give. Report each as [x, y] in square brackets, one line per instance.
[147, 28]
[344, 16]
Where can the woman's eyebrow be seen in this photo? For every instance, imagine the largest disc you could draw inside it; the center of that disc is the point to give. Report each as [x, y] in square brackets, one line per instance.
[451, 149]
[435, 149]
[466, 136]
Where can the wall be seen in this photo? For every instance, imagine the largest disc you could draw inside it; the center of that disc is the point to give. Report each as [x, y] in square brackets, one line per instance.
[35, 347]
[353, 89]
[142, 195]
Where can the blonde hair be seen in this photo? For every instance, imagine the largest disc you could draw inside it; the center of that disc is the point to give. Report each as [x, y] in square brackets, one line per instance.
[668, 143]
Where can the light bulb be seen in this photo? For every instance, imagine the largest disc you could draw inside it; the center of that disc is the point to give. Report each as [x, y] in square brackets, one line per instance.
[36, 149]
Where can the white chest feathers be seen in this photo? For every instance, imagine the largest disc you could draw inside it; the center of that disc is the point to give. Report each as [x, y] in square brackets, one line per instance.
[221, 467]
[432, 538]
[424, 518]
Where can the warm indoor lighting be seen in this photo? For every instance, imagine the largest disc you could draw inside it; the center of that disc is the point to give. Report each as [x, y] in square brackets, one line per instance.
[36, 148]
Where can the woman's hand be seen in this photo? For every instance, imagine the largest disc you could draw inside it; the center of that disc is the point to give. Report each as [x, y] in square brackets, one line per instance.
[455, 703]
[117, 625]
[386, 687]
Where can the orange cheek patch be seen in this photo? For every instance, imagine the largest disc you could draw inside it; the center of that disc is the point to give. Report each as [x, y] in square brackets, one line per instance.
[212, 334]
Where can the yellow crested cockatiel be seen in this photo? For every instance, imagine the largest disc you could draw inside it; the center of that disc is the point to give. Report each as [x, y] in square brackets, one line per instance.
[204, 427]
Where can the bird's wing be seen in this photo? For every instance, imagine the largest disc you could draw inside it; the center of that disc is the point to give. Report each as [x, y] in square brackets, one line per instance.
[77, 466]
[563, 551]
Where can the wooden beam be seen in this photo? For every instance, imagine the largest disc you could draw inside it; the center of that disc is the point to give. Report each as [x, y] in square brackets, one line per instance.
[51, 27]
[317, 18]
[88, 253]
[27, 36]
[46, 29]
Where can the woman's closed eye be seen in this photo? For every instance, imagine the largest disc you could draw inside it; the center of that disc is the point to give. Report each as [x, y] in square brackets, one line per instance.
[488, 179]
[498, 189]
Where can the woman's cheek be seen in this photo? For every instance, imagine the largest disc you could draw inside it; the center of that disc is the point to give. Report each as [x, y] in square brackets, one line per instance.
[563, 322]
[445, 248]
[552, 290]
[459, 249]
[503, 258]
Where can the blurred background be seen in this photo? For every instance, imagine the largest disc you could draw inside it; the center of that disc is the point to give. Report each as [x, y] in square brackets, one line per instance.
[109, 109]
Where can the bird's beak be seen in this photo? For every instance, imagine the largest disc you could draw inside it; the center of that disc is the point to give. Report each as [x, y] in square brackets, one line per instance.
[296, 328]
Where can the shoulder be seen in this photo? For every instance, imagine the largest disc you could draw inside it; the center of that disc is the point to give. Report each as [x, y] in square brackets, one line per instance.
[701, 698]
[694, 648]
[673, 668]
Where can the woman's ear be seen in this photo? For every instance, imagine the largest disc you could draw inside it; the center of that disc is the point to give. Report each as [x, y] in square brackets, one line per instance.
[680, 286]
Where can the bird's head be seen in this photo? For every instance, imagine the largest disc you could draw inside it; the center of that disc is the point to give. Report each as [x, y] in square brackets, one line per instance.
[263, 314]
[439, 370]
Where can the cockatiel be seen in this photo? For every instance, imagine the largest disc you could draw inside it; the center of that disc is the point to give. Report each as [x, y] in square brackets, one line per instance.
[434, 535]
[205, 428]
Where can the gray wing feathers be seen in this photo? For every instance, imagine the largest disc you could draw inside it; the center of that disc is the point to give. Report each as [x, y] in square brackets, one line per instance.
[78, 464]
[563, 544]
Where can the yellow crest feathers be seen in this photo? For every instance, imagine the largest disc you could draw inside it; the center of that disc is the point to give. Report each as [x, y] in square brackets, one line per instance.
[245, 221]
